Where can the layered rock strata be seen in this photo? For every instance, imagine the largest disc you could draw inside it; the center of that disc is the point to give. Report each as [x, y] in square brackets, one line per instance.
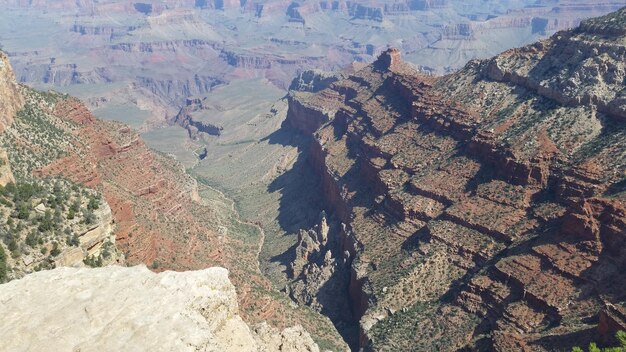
[150, 209]
[491, 200]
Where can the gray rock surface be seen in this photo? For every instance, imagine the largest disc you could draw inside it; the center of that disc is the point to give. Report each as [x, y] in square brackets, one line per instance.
[133, 309]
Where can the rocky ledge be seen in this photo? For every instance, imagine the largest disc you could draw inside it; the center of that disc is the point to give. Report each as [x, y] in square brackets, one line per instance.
[134, 309]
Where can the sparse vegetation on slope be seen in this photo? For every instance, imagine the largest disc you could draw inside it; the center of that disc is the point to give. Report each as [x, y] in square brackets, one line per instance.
[490, 200]
[44, 218]
[620, 336]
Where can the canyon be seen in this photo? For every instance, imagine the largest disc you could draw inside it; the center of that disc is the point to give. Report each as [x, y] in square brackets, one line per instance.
[140, 62]
[370, 202]
[491, 200]
[146, 208]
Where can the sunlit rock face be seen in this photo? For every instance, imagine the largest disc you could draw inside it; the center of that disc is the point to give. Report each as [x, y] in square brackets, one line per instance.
[119, 308]
[10, 98]
[491, 199]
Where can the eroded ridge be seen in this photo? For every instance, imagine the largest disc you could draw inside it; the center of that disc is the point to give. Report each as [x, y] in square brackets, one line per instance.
[481, 200]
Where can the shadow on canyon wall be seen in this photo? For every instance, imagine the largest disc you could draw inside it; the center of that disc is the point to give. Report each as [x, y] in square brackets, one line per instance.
[301, 202]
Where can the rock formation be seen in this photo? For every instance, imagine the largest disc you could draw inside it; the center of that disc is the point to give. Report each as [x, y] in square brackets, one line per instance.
[10, 98]
[312, 81]
[194, 127]
[94, 188]
[6, 175]
[92, 240]
[321, 273]
[118, 308]
[491, 200]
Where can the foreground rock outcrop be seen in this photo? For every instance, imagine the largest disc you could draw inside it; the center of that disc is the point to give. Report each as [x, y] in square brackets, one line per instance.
[491, 200]
[133, 309]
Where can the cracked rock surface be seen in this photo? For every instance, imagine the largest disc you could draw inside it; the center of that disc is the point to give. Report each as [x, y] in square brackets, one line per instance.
[133, 309]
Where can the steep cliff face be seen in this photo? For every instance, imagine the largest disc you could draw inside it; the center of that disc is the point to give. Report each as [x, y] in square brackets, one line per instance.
[11, 99]
[118, 308]
[313, 81]
[138, 184]
[185, 120]
[46, 222]
[88, 190]
[491, 200]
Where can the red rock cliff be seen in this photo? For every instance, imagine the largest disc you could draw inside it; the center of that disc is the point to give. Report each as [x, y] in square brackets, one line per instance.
[481, 200]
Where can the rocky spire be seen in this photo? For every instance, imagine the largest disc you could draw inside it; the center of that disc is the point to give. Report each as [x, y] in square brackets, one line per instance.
[388, 59]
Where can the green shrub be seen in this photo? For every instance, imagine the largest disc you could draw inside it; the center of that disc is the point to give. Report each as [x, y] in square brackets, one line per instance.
[13, 245]
[73, 241]
[94, 203]
[621, 338]
[55, 249]
[75, 207]
[46, 223]
[32, 239]
[23, 211]
[3, 265]
[88, 217]
[93, 261]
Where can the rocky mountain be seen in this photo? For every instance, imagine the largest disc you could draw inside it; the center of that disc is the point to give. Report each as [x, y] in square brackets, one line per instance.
[491, 200]
[140, 61]
[117, 308]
